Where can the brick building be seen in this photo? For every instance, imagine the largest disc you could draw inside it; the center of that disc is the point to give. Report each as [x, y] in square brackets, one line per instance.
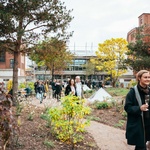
[6, 66]
[143, 20]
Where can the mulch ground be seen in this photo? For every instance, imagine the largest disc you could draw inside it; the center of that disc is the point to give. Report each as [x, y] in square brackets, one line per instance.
[35, 135]
[112, 116]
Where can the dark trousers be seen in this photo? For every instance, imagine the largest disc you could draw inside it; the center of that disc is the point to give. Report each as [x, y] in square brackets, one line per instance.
[140, 148]
[53, 94]
[58, 96]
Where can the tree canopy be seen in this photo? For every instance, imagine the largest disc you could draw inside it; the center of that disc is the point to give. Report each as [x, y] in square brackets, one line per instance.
[53, 54]
[110, 57]
[24, 22]
[139, 51]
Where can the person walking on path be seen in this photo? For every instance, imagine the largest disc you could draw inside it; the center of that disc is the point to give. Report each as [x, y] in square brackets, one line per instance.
[138, 114]
[70, 88]
[40, 91]
[58, 89]
[35, 87]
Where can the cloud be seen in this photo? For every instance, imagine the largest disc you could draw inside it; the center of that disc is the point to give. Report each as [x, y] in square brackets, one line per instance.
[98, 20]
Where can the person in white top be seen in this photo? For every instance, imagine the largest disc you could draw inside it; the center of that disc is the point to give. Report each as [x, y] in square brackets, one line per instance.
[79, 89]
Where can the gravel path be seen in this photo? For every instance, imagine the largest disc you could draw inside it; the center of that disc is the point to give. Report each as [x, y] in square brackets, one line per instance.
[106, 137]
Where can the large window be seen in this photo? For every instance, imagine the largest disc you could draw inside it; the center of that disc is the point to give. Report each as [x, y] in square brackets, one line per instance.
[11, 63]
[79, 62]
[78, 65]
[2, 56]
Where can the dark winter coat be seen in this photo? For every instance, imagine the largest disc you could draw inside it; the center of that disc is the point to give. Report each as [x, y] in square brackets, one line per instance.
[135, 129]
[40, 88]
[53, 86]
[35, 86]
[68, 90]
[58, 88]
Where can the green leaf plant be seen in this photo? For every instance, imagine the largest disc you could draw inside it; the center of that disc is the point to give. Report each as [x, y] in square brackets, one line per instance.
[67, 121]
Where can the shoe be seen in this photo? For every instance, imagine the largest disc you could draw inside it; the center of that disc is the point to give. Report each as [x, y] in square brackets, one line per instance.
[40, 102]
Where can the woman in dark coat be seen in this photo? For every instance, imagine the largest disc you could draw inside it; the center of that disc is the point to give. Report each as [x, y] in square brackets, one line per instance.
[138, 115]
[58, 90]
[70, 88]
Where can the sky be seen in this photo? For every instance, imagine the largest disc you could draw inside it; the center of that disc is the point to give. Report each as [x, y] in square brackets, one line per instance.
[98, 20]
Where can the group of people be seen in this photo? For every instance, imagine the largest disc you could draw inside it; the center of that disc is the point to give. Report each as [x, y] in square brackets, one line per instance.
[73, 87]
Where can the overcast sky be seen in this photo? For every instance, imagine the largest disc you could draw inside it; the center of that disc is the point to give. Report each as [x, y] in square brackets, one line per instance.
[97, 20]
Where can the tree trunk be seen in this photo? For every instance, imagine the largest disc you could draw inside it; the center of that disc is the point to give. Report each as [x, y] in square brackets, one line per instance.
[15, 77]
[113, 83]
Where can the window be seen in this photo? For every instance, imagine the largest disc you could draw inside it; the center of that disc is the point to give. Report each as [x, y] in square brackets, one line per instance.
[11, 63]
[2, 56]
[78, 65]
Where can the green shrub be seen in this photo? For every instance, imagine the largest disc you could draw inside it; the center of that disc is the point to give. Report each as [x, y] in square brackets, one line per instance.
[31, 85]
[102, 105]
[90, 91]
[26, 84]
[67, 121]
[22, 85]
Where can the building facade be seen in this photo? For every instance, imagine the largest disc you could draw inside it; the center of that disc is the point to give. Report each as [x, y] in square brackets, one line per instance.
[6, 66]
[143, 20]
[77, 68]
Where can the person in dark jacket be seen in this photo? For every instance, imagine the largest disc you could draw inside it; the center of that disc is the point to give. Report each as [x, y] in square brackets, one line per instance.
[58, 89]
[40, 91]
[70, 88]
[35, 88]
[138, 114]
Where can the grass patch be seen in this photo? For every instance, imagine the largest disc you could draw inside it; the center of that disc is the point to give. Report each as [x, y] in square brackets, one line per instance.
[117, 91]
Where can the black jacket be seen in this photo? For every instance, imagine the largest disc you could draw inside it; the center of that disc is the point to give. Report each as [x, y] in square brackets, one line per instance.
[40, 88]
[135, 130]
[68, 90]
[58, 88]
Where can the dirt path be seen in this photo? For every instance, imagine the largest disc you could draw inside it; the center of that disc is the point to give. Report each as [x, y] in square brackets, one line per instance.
[106, 137]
